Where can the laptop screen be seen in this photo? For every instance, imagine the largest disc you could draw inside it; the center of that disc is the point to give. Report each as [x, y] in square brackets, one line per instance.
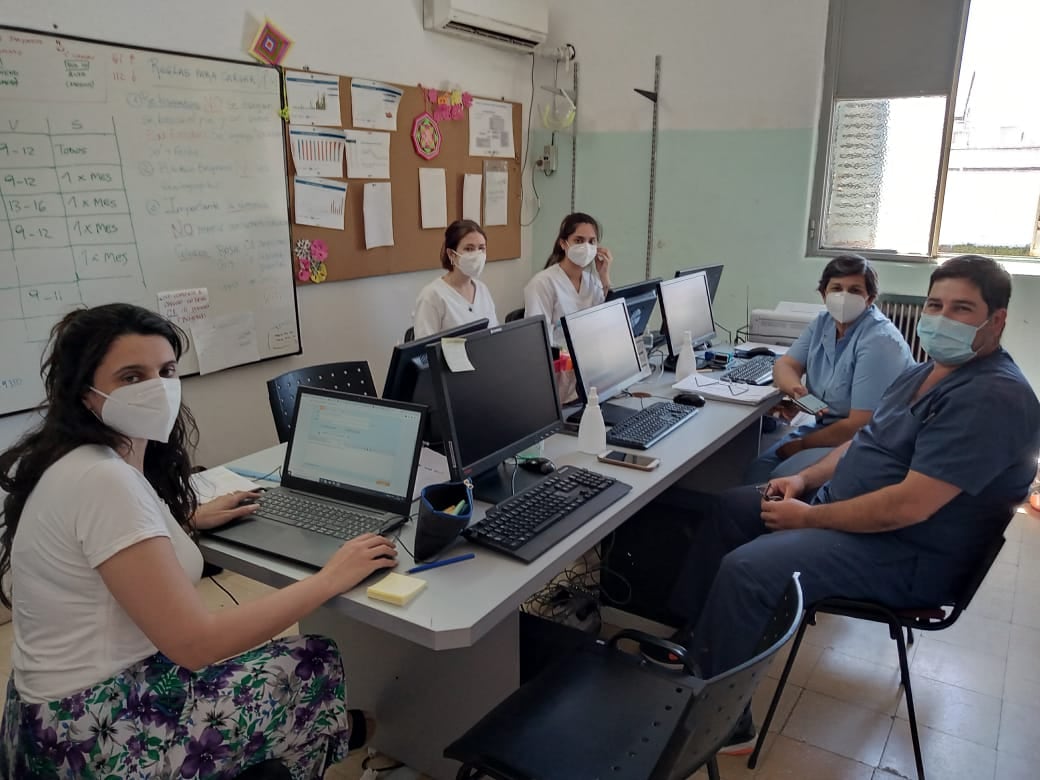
[354, 445]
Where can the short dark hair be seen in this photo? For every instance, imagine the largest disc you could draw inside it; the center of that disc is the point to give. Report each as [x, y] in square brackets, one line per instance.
[849, 265]
[989, 276]
[453, 236]
[567, 227]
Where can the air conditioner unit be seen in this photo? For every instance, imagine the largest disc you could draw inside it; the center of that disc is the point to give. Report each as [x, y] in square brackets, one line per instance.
[519, 25]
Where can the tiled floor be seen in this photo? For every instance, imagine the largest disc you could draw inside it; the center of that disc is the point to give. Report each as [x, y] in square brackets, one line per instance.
[977, 688]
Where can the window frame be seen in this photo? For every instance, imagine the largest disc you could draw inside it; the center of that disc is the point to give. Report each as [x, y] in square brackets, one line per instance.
[814, 230]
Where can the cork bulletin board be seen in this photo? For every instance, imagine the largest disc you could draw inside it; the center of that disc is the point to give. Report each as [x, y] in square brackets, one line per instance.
[414, 248]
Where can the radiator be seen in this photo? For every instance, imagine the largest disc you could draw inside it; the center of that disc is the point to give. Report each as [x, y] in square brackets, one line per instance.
[904, 311]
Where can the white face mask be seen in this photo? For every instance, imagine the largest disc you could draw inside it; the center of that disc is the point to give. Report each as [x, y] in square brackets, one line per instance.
[470, 263]
[844, 307]
[145, 410]
[581, 254]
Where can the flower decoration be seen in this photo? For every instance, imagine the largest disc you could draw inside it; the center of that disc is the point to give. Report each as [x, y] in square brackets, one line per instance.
[311, 256]
[426, 136]
[302, 249]
[319, 251]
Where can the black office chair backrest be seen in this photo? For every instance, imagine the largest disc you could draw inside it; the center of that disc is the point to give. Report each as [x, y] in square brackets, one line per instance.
[409, 335]
[515, 314]
[353, 377]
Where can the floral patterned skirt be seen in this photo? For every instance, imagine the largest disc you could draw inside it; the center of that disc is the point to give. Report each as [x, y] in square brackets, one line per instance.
[283, 700]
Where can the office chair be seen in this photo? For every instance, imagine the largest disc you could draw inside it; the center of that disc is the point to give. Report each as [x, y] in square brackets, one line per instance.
[515, 314]
[924, 619]
[409, 335]
[353, 377]
[604, 712]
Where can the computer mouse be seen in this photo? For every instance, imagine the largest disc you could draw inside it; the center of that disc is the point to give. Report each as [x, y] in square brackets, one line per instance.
[689, 399]
[759, 351]
[537, 465]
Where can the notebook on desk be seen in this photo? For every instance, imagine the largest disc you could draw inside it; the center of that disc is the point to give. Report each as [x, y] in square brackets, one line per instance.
[709, 386]
[349, 469]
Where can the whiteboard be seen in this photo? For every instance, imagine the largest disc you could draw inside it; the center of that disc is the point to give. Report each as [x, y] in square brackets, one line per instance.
[125, 173]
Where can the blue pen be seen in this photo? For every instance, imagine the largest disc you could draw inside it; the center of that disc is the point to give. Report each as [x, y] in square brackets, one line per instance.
[435, 564]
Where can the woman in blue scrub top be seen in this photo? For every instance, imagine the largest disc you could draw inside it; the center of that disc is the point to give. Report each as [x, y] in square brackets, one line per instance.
[848, 355]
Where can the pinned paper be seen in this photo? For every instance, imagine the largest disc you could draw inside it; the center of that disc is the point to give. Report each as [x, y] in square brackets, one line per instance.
[374, 104]
[455, 355]
[471, 188]
[316, 151]
[490, 129]
[433, 203]
[496, 191]
[184, 307]
[378, 212]
[319, 202]
[313, 98]
[225, 341]
[368, 154]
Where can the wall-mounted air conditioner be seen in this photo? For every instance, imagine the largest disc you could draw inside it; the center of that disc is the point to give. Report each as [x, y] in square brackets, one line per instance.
[520, 25]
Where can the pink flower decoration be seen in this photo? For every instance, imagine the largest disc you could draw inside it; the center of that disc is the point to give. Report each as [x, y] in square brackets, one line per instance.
[467, 99]
[319, 251]
[431, 95]
[304, 273]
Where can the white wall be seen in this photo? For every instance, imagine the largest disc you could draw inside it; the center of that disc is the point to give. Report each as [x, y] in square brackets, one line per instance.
[380, 39]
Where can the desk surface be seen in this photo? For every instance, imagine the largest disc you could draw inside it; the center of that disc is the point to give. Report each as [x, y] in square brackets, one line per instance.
[464, 601]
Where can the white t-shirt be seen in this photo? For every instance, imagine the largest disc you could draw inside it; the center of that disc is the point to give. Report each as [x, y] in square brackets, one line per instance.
[440, 306]
[551, 292]
[69, 632]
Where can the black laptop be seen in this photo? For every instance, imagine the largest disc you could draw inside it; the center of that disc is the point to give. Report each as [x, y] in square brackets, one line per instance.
[349, 469]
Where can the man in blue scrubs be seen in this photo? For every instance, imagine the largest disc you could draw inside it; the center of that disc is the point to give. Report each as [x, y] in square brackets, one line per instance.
[898, 515]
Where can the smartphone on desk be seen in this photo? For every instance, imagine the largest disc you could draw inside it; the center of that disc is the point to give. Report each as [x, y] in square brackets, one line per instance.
[629, 460]
[810, 404]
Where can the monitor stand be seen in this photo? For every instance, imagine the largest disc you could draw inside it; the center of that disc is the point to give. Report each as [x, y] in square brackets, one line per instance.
[496, 485]
[612, 414]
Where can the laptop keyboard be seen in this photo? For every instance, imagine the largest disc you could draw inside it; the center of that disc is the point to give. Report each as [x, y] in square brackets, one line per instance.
[319, 516]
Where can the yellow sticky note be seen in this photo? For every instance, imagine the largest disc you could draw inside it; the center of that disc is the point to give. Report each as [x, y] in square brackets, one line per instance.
[396, 589]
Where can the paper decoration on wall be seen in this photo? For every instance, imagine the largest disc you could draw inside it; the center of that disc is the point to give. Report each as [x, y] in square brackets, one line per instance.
[426, 136]
[270, 44]
[449, 104]
[310, 258]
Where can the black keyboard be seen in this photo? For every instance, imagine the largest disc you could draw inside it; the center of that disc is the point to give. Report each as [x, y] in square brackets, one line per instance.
[753, 371]
[322, 517]
[649, 426]
[529, 523]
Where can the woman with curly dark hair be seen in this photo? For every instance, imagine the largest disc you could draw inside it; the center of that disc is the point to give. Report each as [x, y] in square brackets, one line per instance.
[119, 668]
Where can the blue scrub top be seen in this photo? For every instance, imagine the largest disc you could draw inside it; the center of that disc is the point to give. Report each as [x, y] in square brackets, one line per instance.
[977, 429]
[853, 372]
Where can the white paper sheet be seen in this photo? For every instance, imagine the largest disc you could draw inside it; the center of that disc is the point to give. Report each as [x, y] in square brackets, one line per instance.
[455, 355]
[184, 307]
[219, 481]
[496, 192]
[368, 154]
[433, 199]
[379, 220]
[319, 202]
[490, 129]
[732, 392]
[471, 188]
[374, 104]
[316, 151]
[313, 98]
[225, 341]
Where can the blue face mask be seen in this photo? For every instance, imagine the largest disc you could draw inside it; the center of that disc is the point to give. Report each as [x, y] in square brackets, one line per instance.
[947, 341]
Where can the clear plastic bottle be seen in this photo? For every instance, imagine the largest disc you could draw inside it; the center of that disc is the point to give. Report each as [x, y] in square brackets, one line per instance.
[686, 363]
[592, 432]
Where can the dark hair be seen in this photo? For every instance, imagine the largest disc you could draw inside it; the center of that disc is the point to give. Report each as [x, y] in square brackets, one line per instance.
[989, 276]
[567, 227]
[453, 236]
[78, 344]
[849, 265]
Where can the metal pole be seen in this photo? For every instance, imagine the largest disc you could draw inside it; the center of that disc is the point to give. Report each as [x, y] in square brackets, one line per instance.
[653, 167]
[574, 142]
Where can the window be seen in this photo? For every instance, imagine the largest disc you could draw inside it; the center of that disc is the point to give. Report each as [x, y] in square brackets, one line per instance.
[907, 165]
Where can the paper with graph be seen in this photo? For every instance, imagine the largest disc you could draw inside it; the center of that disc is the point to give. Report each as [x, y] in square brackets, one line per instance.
[316, 151]
[319, 202]
[313, 98]
[374, 104]
[368, 154]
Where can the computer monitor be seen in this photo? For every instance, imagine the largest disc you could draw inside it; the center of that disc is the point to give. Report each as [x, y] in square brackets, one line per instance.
[506, 404]
[603, 349]
[641, 299]
[408, 376]
[714, 273]
[686, 306]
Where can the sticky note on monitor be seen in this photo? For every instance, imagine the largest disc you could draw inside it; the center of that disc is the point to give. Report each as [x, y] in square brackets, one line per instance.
[396, 589]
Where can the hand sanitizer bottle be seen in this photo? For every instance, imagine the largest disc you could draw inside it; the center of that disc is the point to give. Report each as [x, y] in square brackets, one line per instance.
[592, 432]
[687, 361]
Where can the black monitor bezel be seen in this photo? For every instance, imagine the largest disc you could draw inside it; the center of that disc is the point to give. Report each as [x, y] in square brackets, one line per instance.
[405, 353]
[698, 338]
[706, 269]
[636, 293]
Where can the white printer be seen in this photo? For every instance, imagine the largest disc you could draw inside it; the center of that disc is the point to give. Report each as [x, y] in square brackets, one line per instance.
[783, 324]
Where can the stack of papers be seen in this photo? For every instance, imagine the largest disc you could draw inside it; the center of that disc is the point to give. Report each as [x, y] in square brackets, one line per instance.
[219, 481]
[732, 392]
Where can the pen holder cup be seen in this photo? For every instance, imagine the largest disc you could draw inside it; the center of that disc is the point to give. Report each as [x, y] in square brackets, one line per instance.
[436, 528]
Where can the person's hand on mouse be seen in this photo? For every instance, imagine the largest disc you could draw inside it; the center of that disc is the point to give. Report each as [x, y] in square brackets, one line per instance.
[223, 509]
[358, 558]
